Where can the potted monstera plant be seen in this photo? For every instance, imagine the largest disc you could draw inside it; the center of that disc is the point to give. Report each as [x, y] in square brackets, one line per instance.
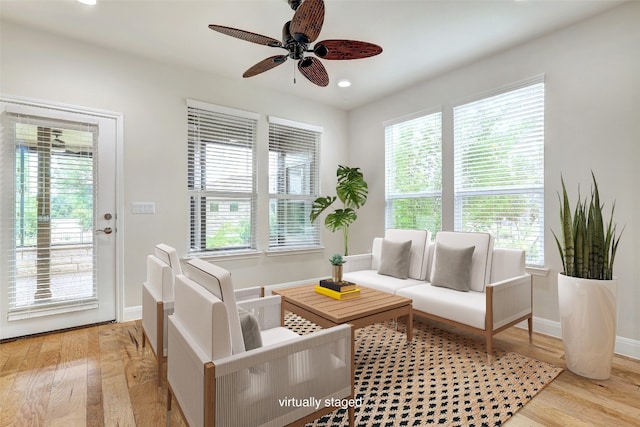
[587, 287]
[352, 190]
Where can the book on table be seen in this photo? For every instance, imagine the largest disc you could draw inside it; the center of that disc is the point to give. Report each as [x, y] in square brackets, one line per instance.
[343, 286]
[337, 295]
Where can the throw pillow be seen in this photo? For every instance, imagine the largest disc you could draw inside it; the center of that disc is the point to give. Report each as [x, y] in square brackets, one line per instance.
[394, 259]
[452, 268]
[250, 329]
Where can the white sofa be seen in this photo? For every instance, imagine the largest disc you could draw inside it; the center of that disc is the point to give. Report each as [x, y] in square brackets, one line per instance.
[497, 290]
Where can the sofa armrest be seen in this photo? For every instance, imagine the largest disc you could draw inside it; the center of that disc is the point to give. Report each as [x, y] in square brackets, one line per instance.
[510, 299]
[357, 262]
[267, 310]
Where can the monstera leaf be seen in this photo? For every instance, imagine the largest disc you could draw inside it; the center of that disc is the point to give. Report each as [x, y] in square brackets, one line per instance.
[352, 191]
[340, 219]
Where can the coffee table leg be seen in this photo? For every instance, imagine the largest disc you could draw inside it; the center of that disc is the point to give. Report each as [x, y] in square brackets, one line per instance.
[410, 325]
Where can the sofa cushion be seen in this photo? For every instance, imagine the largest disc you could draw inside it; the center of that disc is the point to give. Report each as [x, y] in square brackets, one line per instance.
[468, 309]
[482, 254]
[371, 279]
[394, 260]
[453, 267]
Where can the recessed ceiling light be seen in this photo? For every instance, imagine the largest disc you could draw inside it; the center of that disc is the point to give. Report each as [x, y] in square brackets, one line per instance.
[88, 2]
[344, 83]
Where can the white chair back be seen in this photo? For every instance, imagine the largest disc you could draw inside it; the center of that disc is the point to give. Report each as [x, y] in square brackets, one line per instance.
[160, 279]
[205, 317]
[169, 255]
[218, 281]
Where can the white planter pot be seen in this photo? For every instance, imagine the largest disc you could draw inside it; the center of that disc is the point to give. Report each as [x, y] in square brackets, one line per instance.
[588, 318]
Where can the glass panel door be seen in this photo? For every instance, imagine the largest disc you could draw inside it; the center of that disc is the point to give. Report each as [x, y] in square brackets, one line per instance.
[59, 232]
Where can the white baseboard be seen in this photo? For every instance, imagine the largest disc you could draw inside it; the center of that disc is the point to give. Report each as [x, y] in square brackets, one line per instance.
[624, 346]
[132, 313]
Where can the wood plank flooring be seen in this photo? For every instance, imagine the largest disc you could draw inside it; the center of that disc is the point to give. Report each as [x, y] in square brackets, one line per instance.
[101, 376]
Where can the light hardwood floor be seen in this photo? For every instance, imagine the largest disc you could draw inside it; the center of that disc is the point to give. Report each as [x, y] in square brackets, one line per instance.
[101, 376]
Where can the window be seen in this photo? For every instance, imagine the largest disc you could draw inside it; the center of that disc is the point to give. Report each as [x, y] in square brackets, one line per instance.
[293, 183]
[413, 188]
[499, 169]
[221, 177]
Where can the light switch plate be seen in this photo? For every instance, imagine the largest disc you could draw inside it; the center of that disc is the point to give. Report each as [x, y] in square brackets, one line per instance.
[143, 207]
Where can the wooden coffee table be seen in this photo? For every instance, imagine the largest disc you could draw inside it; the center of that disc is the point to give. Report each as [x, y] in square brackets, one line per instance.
[370, 307]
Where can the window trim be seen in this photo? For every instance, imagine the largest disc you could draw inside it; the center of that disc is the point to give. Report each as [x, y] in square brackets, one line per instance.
[416, 195]
[458, 196]
[315, 129]
[192, 191]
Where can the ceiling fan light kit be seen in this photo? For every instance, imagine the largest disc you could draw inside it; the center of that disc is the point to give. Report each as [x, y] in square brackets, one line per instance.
[297, 35]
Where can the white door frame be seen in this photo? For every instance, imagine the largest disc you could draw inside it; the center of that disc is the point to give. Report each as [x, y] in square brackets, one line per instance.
[119, 169]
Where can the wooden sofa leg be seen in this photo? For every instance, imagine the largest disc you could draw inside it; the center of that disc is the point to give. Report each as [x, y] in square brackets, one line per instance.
[530, 324]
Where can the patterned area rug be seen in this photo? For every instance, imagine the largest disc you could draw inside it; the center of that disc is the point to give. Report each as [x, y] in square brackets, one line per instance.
[441, 378]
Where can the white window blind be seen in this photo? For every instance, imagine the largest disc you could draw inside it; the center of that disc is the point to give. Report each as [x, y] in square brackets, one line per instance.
[221, 178]
[51, 188]
[413, 173]
[293, 184]
[499, 169]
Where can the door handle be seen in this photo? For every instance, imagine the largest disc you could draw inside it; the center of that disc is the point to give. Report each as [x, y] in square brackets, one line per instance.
[106, 230]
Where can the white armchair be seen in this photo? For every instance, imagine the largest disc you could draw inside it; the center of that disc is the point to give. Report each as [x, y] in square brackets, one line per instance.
[215, 382]
[157, 300]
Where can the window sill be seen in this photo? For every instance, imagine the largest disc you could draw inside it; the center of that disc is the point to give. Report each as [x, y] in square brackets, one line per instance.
[225, 256]
[294, 251]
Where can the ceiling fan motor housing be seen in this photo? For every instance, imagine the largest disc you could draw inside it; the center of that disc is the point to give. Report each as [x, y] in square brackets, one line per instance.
[296, 48]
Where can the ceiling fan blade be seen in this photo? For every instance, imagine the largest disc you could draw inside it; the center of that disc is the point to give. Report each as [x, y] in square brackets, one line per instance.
[313, 70]
[246, 35]
[345, 49]
[307, 21]
[265, 65]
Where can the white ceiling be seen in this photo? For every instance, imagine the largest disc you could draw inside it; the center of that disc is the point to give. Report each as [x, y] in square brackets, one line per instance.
[420, 38]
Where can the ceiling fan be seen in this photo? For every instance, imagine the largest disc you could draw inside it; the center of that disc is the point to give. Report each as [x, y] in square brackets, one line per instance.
[297, 36]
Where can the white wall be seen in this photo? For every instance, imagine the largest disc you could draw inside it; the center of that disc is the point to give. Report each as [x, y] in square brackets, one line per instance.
[151, 96]
[591, 123]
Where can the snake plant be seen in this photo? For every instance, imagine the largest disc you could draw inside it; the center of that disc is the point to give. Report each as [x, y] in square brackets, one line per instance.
[352, 190]
[587, 248]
